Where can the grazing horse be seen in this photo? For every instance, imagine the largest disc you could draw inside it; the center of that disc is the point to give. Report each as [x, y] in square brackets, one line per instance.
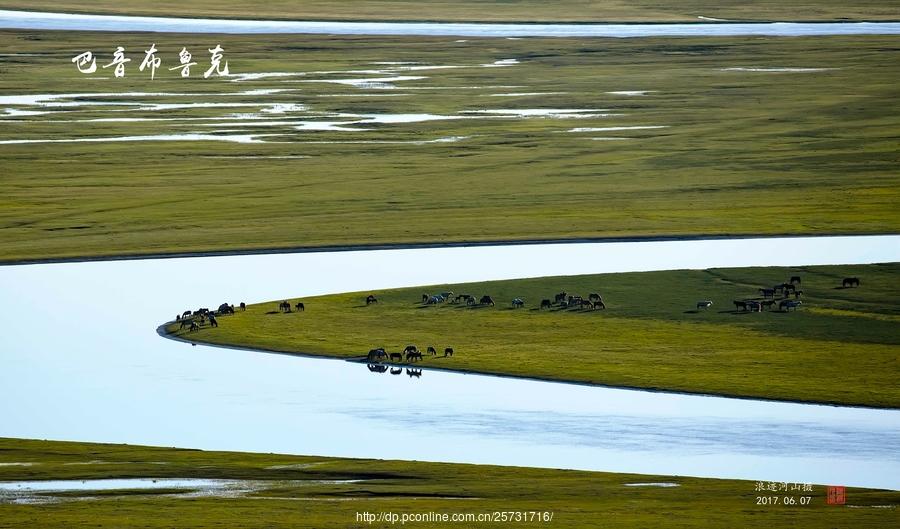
[434, 300]
[225, 308]
[587, 303]
[518, 303]
[425, 298]
[284, 306]
[593, 296]
[448, 351]
[789, 304]
[545, 303]
[376, 368]
[212, 321]
[754, 306]
[376, 354]
[795, 279]
[470, 301]
[243, 306]
[301, 307]
[185, 314]
[789, 286]
[599, 305]
[767, 292]
[414, 373]
[486, 300]
[561, 297]
[704, 304]
[850, 282]
[431, 350]
[767, 304]
[395, 356]
[410, 349]
[194, 327]
[740, 305]
[413, 355]
[371, 299]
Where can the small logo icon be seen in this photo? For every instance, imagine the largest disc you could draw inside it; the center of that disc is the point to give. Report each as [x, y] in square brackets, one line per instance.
[835, 495]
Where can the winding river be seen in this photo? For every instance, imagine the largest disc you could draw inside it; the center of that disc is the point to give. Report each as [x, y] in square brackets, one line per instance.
[64, 21]
[81, 360]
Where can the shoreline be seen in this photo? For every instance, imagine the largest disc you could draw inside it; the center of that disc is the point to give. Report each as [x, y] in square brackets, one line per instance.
[422, 245]
[161, 331]
[627, 22]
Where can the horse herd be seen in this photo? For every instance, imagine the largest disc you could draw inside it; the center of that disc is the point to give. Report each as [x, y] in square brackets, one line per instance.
[195, 319]
[411, 351]
[561, 300]
[787, 290]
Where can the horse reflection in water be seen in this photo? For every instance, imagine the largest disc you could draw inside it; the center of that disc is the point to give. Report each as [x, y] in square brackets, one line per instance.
[383, 368]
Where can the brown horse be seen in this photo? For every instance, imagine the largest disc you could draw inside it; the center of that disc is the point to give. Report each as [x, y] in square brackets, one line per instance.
[301, 307]
[486, 300]
[448, 351]
[371, 299]
[545, 304]
[850, 282]
[431, 350]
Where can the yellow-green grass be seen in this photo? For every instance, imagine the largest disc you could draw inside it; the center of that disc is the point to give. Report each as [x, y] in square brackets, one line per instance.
[841, 346]
[576, 499]
[743, 153]
[483, 10]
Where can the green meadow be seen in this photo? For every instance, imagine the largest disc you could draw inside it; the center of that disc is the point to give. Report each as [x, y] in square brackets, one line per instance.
[841, 346]
[481, 10]
[665, 137]
[295, 494]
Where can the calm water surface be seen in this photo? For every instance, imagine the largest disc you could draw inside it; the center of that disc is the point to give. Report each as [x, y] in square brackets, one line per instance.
[81, 361]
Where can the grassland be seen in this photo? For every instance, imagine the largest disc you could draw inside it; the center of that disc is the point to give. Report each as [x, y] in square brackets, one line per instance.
[295, 499]
[483, 10]
[739, 152]
[841, 346]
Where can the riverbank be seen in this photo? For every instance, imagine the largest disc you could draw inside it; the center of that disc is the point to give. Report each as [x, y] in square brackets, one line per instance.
[483, 11]
[840, 347]
[315, 492]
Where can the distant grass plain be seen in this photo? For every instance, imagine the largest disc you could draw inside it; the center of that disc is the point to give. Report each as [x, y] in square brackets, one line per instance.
[840, 347]
[296, 497]
[483, 10]
[736, 144]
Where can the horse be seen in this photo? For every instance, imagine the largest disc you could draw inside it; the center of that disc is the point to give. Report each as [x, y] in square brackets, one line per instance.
[395, 356]
[486, 300]
[425, 298]
[284, 306]
[740, 305]
[301, 307]
[413, 355]
[431, 350]
[850, 282]
[754, 306]
[212, 321]
[447, 295]
[448, 351]
[186, 314]
[704, 304]
[545, 303]
[225, 308]
[376, 354]
[470, 301]
[560, 297]
[767, 292]
[599, 305]
[243, 306]
[414, 372]
[434, 300]
[593, 296]
[371, 299]
[518, 303]
[795, 279]
[194, 327]
[587, 303]
[789, 286]
[789, 304]
[410, 349]
[767, 304]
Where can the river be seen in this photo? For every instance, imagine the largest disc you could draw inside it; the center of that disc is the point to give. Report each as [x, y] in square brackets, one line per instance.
[82, 361]
[64, 21]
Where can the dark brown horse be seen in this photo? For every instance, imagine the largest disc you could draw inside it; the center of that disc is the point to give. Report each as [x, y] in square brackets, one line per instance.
[448, 351]
[301, 307]
[486, 300]
[850, 282]
[740, 305]
[795, 279]
[545, 304]
[371, 299]
[413, 355]
[284, 306]
[243, 306]
[395, 356]
[431, 350]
